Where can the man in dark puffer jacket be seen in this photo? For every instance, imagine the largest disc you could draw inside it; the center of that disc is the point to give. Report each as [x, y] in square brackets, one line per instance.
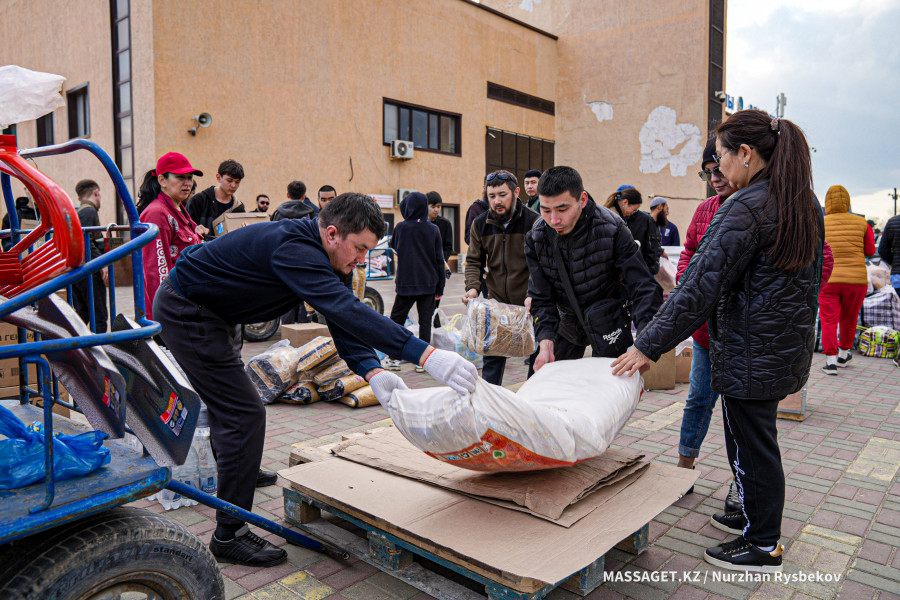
[600, 257]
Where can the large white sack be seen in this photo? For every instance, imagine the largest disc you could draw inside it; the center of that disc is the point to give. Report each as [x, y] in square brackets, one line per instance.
[27, 95]
[568, 412]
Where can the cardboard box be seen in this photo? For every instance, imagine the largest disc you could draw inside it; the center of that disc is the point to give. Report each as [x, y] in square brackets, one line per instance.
[231, 221]
[299, 334]
[9, 367]
[683, 365]
[13, 392]
[661, 375]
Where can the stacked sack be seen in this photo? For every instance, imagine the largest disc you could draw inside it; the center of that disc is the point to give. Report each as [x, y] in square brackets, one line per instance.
[880, 342]
[308, 374]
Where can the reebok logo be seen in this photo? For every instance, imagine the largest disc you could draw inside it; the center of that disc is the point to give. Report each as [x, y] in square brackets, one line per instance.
[612, 337]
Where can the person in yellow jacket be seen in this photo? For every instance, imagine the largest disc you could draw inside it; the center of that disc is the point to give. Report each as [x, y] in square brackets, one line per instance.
[840, 299]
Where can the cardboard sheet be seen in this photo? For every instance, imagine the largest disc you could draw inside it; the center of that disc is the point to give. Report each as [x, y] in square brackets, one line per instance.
[547, 493]
[505, 543]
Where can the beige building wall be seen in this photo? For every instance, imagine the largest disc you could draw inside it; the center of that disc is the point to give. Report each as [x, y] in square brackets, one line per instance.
[295, 90]
[71, 39]
[632, 93]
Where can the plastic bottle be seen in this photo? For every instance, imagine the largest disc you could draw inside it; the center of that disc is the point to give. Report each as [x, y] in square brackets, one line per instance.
[169, 499]
[188, 474]
[207, 469]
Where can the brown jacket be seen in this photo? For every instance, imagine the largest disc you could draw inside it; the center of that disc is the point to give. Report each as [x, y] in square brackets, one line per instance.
[502, 250]
[849, 236]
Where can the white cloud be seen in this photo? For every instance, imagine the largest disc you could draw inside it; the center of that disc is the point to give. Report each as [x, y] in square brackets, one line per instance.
[837, 62]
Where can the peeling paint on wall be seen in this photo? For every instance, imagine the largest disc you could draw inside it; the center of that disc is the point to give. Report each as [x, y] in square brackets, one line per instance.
[528, 5]
[660, 135]
[602, 110]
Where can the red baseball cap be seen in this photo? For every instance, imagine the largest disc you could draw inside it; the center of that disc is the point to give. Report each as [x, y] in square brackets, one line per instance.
[172, 162]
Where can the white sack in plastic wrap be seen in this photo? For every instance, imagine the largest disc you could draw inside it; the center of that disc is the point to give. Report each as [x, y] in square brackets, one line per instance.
[568, 412]
[27, 95]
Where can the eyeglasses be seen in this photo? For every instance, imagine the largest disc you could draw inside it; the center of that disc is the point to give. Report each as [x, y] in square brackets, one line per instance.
[707, 175]
[502, 175]
[718, 158]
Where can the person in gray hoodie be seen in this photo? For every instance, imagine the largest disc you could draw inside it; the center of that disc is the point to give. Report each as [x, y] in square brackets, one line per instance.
[420, 265]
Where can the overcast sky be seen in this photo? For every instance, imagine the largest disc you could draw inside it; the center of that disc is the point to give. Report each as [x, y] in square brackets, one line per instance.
[838, 63]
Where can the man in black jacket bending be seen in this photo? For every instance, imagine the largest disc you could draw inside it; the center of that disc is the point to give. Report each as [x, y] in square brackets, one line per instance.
[256, 273]
[602, 265]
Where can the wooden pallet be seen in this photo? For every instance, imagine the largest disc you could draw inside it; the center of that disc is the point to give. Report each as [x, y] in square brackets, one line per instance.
[383, 548]
[793, 407]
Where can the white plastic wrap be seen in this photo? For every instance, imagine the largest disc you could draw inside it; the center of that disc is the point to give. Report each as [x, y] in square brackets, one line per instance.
[496, 329]
[449, 337]
[27, 95]
[568, 412]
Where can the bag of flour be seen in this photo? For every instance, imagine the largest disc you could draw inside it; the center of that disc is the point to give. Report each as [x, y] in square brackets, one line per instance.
[568, 412]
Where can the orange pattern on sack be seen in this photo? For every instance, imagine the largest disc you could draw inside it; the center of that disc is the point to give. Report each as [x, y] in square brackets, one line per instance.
[496, 452]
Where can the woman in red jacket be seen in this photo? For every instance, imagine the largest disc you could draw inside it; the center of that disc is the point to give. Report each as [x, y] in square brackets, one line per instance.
[163, 194]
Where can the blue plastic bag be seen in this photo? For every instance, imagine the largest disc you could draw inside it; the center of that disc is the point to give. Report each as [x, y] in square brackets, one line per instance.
[22, 455]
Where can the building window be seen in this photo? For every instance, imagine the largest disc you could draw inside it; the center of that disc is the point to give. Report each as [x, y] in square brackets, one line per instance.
[11, 130]
[516, 153]
[79, 112]
[123, 116]
[495, 91]
[45, 130]
[428, 129]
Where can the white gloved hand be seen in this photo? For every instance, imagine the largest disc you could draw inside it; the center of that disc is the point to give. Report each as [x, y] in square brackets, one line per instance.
[383, 384]
[453, 370]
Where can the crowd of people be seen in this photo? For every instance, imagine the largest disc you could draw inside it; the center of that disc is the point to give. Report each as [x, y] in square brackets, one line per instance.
[755, 272]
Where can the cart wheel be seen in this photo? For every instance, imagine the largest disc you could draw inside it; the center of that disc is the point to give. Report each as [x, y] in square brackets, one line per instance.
[124, 552]
[260, 332]
[373, 300]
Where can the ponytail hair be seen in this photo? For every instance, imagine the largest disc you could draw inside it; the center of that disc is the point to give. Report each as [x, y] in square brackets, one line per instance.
[631, 195]
[149, 190]
[782, 145]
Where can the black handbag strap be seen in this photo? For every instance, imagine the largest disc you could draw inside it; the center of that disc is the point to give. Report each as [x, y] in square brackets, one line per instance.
[570, 292]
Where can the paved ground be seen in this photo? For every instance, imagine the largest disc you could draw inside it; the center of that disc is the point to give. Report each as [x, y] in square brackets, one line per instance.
[841, 519]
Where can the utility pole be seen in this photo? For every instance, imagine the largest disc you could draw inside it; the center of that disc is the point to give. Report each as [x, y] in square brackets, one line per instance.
[894, 196]
[780, 101]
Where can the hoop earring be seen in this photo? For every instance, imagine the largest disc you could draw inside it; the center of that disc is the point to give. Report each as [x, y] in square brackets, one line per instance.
[746, 164]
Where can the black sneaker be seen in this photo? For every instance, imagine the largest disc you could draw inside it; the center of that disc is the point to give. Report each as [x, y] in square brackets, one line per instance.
[842, 362]
[741, 555]
[247, 549]
[732, 522]
[266, 478]
[829, 369]
[733, 499]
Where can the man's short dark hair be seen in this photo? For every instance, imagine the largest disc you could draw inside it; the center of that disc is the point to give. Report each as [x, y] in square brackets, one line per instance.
[296, 190]
[532, 173]
[557, 180]
[232, 168]
[434, 198]
[262, 196]
[326, 188]
[501, 177]
[85, 188]
[353, 213]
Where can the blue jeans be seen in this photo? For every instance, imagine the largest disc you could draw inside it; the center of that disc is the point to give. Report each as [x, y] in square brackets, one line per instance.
[699, 405]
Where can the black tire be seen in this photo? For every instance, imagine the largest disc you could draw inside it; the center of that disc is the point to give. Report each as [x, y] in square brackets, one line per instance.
[260, 332]
[373, 300]
[121, 550]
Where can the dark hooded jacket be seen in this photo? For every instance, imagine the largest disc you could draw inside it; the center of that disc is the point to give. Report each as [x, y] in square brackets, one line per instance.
[417, 241]
[478, 208]
[762, 320]
[603, 264]
[293, 209]
[889, 246]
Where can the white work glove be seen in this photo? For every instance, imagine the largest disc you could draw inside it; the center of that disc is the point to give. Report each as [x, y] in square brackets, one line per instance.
[383, 384]
[453, 370]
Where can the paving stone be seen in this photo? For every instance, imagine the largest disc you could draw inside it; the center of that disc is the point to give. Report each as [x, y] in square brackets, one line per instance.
[851, 590]
[393, 586]
[879, 583]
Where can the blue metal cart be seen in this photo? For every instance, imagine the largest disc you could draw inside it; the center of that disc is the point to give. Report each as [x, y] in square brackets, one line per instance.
[75, 538]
